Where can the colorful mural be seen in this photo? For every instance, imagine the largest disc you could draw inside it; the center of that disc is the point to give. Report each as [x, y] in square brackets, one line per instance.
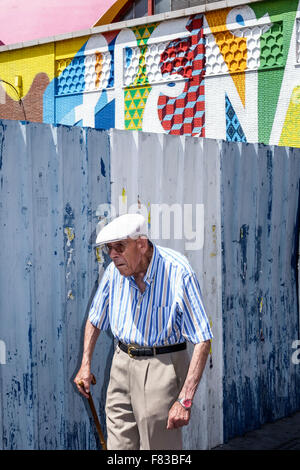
[230, 74]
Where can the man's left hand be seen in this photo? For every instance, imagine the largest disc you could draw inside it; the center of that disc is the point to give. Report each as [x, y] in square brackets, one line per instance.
[178, 416]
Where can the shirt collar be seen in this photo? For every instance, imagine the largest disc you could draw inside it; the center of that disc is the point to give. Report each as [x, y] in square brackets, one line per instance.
[152, 265]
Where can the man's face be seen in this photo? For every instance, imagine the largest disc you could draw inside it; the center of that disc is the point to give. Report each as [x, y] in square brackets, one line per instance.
[126, 255]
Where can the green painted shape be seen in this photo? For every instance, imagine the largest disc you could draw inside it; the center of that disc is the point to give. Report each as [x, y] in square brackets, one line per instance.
[143, 90]
[271, 47]
[133, 92]
[139, 31]
[269, 81]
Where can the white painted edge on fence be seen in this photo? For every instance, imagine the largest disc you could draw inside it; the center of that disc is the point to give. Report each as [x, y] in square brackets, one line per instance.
[130, 23]
[132, 182]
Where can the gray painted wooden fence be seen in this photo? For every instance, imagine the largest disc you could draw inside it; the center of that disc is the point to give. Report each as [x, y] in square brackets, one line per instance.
[53, 182]
[260, 233]
[162, 169]
[52, 179]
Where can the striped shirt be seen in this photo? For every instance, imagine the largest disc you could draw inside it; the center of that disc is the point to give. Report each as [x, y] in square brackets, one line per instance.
[169, 311]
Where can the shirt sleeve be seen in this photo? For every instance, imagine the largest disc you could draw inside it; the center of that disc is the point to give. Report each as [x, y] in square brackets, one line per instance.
[196, 326]
[98, 313]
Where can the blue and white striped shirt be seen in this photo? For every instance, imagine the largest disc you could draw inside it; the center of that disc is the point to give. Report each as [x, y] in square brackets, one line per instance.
[169, 311]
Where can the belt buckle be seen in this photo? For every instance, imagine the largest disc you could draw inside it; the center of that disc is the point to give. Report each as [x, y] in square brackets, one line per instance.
[131, 348]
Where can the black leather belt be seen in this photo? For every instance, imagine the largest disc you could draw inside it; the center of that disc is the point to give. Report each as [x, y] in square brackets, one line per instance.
[134, 351]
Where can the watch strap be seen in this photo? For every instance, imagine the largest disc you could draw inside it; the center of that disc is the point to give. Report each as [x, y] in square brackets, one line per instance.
[185, 403]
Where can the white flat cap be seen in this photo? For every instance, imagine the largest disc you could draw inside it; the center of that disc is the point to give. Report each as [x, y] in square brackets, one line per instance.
[125, 226]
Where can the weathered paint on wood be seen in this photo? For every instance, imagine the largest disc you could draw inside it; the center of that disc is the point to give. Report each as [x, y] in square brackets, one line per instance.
[52, 182]
[150, 169]
[51, 185]
[260, 229]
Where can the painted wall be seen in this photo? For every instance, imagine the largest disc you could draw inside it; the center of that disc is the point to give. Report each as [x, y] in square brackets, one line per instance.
[230, 74]
[247, 266]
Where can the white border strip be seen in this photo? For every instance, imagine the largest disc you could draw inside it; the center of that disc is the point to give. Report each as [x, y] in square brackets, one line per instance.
[131, 23]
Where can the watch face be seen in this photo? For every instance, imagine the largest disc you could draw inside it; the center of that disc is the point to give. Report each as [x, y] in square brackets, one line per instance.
[187, 403]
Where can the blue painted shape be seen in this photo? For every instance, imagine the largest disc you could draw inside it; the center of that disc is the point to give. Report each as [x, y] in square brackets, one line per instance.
[111, 49]
[102, 165]
[65, 108]
[234, 130]
[105, 118]
[128, 55]
[52, 114]
[101, 102]
[49, 103]
[240, 20]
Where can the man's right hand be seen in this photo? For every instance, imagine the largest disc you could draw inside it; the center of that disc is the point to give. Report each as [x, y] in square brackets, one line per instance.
[83, 378]
[83, 381]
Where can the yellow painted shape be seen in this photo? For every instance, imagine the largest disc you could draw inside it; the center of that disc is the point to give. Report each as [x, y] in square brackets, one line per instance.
[124, 196]
[149, 215]
[70, 295]
[140, 95]
[98, 68]
[69, 231]
[111, 13]
[141, 104]
[232, 48]
[26, 62]
[131, 106]
[70, 47]
[239, 81]
[214, 240]
[65, 51]
[141, 77]
[217, 19]
[290, 134]
[143, 32]
[137, 95]
[98, 254]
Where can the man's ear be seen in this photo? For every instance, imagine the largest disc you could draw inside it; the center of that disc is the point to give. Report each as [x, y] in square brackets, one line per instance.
[142, 243]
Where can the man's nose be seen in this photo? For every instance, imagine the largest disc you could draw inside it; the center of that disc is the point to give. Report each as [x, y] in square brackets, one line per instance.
[113, 253]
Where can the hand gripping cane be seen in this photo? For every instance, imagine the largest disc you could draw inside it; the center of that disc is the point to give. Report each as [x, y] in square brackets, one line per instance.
[95, 416]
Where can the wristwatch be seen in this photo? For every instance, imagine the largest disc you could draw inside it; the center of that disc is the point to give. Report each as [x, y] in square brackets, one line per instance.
[185, 402]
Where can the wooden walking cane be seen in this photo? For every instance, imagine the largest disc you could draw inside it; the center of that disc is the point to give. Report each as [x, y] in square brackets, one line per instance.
[95, 416]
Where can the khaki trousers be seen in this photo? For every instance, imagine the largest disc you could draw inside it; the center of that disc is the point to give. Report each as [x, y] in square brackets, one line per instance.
[140, 393]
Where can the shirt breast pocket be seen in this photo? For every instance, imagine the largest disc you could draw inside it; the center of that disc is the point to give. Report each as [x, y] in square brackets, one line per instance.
[163, 315]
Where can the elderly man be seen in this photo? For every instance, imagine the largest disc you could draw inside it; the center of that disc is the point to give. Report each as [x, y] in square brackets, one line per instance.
[150, 298]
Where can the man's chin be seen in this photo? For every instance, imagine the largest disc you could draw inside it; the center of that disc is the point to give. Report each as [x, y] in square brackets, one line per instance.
[123, 270]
